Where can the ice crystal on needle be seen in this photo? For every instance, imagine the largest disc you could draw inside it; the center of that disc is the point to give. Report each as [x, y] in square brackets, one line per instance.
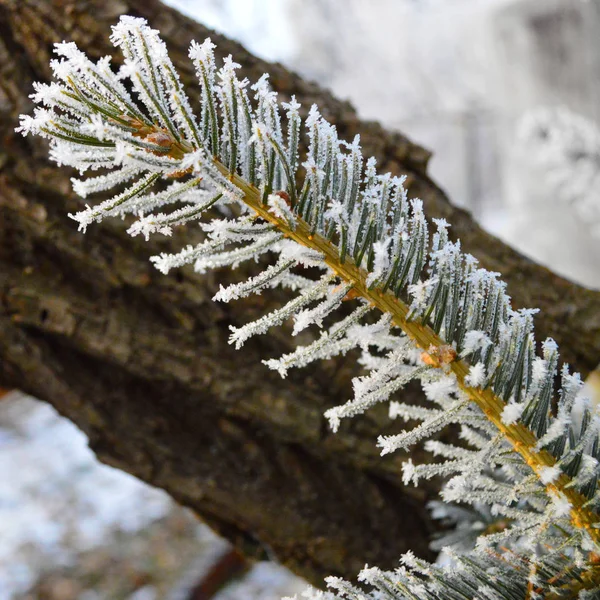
[532, 468]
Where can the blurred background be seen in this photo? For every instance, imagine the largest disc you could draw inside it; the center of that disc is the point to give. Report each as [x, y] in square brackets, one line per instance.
[505, 93]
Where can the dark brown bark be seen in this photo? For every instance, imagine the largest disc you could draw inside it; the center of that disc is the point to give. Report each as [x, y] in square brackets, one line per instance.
[141, 363]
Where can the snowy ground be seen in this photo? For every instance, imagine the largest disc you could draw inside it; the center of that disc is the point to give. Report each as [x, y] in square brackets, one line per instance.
[82, 530]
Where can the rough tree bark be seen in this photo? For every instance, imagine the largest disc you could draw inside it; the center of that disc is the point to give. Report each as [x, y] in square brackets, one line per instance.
[141, 363]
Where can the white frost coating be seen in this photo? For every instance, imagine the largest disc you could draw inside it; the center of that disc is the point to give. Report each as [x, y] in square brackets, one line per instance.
[165, 262]
[279, 207]
[322, 347]
[254, 284]
[92, 185]
[420, 294]
[476, 376]
[557, 429]
[539, 370]
[512, 413]
[164, 222]
[277, 317]
[561, 507]
[365, 401]
[393, 364]
[440, 389]
[315, 316]
[381, 261]
[549, 474]
[588, 471]
[116, 206]
[408, 473]
[475, 340]
[295, 282]
[187, 192]
[233, 258]
[242, 229]
[438, 448]
[443, 469]
[407, 412]
[392, 443]
[376, 334]
[307, 257]
[96, 128]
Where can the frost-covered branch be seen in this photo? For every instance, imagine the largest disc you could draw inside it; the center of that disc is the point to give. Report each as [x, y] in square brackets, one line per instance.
[445, 321]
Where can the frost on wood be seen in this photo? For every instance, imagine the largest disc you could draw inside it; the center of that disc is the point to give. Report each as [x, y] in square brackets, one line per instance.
[336, 232]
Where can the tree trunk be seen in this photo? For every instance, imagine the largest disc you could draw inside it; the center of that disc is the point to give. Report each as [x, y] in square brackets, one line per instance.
[141, 363]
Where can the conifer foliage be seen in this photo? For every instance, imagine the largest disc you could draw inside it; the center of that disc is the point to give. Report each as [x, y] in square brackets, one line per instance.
[521, 488]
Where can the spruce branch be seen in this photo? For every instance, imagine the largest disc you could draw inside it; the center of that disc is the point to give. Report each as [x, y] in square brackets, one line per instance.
[373, 244]
[521, 438]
